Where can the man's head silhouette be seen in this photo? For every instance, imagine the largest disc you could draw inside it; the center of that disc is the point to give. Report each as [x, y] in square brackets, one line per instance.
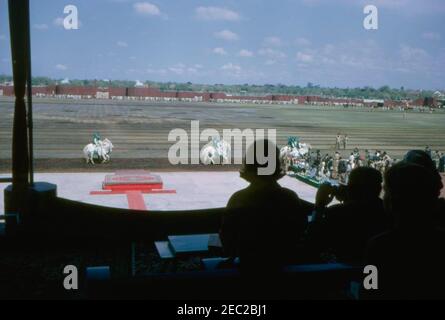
[261, 162]
[364, 183]
[410, 195]
[423, 159]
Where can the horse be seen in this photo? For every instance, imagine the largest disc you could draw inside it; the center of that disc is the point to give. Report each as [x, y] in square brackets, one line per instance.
[216, 152]
[107, 148]
[101, 151]
[286, 157]
[224, 151]
[288, 154]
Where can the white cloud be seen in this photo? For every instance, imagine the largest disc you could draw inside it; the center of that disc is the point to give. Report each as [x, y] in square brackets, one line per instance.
[156, 71]
[176, 70]
[328, 48]
[272, 53]
[61, 67]
[303, 42]
[226, 35]
[122, 44]
[231, 68]
[220, 51]
[411, 7]
[327, 60]
[270, 62]
[354, 59]
[42, 26]
[237, 72]
[364, 55]
[408, 53]
[431, 36]
[245, 53]
[192, 70]
[272, 42]
[146, 8]
[182, 69]
[304, 57]
[215, 13]
[58, 22]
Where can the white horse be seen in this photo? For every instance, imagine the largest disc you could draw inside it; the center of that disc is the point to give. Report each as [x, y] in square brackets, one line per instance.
[217, 151]
[286, 157]
[101, 151]
[304, 149]
[107, 148]
[289, 154]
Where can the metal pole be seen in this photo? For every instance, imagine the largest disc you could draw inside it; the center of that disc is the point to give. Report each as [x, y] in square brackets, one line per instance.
[16, 194]
[19, 26]
[29, 96]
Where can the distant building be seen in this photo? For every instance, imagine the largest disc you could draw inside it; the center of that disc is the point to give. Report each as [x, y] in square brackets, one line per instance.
[438, 95]
[147, 93]
[374, 102]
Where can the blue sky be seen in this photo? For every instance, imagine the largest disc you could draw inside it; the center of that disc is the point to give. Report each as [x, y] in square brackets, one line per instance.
[239, 41]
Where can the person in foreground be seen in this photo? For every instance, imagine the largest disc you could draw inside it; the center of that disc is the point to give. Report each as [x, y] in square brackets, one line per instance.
[422, 159]
[264, 222]
[341, 231]
[409, 258]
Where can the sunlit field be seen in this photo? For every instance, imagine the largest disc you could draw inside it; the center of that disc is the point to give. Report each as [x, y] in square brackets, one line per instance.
[139, 130]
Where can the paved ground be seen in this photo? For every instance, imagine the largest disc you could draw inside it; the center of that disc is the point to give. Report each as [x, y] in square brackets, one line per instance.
[194, 190]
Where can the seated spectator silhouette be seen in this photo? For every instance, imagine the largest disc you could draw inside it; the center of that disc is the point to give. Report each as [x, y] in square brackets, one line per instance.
[409, 258]
[441, 166]
[341, 231]
[422, 159]
[264, 222]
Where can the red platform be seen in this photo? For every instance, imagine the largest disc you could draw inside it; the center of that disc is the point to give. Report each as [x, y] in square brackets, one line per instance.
[133, 183]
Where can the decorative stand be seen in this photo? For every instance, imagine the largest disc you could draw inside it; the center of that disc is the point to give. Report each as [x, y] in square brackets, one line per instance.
[134, 184]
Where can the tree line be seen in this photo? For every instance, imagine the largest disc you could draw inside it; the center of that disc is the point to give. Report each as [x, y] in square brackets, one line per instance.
[367, 92]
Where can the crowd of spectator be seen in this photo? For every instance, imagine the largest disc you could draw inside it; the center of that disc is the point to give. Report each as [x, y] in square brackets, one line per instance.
[394, 223]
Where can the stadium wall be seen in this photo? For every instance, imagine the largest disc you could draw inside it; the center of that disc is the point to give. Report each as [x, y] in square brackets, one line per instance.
[155, 94]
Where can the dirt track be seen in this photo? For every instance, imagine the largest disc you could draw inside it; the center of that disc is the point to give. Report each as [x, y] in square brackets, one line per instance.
[139, 130]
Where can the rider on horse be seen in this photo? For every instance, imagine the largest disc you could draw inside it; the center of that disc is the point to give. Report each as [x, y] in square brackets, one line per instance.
[97, 142]
[293, 142]
[96, 139]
